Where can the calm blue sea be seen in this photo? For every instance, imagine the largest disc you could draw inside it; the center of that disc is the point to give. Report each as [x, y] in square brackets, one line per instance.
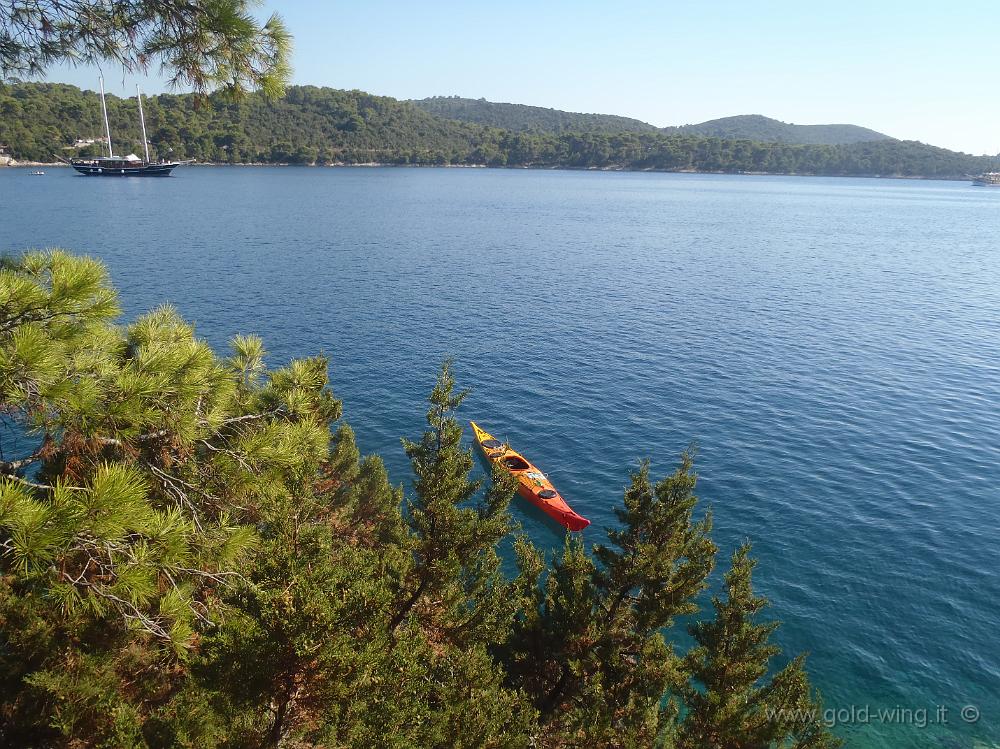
[832, 345]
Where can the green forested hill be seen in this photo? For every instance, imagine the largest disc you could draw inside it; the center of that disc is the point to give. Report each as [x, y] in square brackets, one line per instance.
[524, 118]
[755, 127]
[324, 125]
[308, 124]
[760, 128]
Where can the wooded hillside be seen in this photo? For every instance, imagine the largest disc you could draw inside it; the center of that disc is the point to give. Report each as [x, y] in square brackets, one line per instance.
[322, 125]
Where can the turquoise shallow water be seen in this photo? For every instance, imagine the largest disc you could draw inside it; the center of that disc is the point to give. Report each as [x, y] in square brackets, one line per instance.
[831, 344]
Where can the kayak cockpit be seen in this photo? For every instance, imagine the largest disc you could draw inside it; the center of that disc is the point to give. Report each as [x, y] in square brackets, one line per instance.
[516, 463]
[492, 444]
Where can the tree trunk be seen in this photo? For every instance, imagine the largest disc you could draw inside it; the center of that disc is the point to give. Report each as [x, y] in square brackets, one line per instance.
[406, 607]
[273, 738]
[552, 698]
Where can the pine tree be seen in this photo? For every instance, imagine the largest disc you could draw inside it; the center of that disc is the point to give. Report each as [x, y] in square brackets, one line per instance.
[146, 462]
[589, 647]
[452, 591]
[453, 542]
[733, 705]
[203, 45]
[304, 642]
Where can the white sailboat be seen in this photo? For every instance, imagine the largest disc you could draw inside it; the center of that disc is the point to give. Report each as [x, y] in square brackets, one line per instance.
[123, 166]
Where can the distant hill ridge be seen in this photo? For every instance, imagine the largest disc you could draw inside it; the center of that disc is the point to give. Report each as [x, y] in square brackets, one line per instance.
[524, 118]
[765, 129]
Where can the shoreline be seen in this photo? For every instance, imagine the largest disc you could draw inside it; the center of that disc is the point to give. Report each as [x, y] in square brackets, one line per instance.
[374, 164]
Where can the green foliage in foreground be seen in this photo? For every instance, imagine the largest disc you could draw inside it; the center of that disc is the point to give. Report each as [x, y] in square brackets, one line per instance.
[323, 126]
[207, 45]
[194, 554]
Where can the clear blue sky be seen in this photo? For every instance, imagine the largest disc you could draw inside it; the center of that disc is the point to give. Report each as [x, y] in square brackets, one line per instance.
[916, 70]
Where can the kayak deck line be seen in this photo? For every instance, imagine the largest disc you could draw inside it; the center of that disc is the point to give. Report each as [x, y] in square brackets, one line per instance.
[532, 484]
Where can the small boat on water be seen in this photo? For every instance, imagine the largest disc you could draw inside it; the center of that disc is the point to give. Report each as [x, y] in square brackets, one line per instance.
[532, 484]
[37, 173]
[987, 179]
[127, 166]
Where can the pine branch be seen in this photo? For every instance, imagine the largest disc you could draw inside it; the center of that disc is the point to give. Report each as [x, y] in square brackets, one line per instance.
[32, 484]
[248, 417]
[170, 483]
[223, 578]
[128, 610]
[9, 466]
[241, 459]
[25, 316]
[138, 438]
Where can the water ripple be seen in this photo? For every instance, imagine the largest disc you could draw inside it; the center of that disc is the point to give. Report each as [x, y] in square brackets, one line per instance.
[831, 345]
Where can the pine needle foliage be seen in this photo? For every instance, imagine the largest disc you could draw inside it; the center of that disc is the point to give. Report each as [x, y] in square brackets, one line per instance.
[590, 649]
[730, 702]
[195, 553]
[206, 44]
[150, 461]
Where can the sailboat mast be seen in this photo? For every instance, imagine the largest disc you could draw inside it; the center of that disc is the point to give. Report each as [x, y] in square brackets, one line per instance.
[142, 119]
[107, 127]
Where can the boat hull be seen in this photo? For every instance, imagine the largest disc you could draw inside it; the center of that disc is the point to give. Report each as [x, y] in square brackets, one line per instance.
[532, 484]
[986, 179]
[145, 170]
[568, 519]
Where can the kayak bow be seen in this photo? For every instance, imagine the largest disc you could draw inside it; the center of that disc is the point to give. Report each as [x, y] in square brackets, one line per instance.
[532, 484]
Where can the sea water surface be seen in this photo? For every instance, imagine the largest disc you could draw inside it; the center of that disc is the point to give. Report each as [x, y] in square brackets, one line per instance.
[831, 345]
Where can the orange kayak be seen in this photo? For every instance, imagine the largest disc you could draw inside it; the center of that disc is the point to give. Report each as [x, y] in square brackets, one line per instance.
[532, 484]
